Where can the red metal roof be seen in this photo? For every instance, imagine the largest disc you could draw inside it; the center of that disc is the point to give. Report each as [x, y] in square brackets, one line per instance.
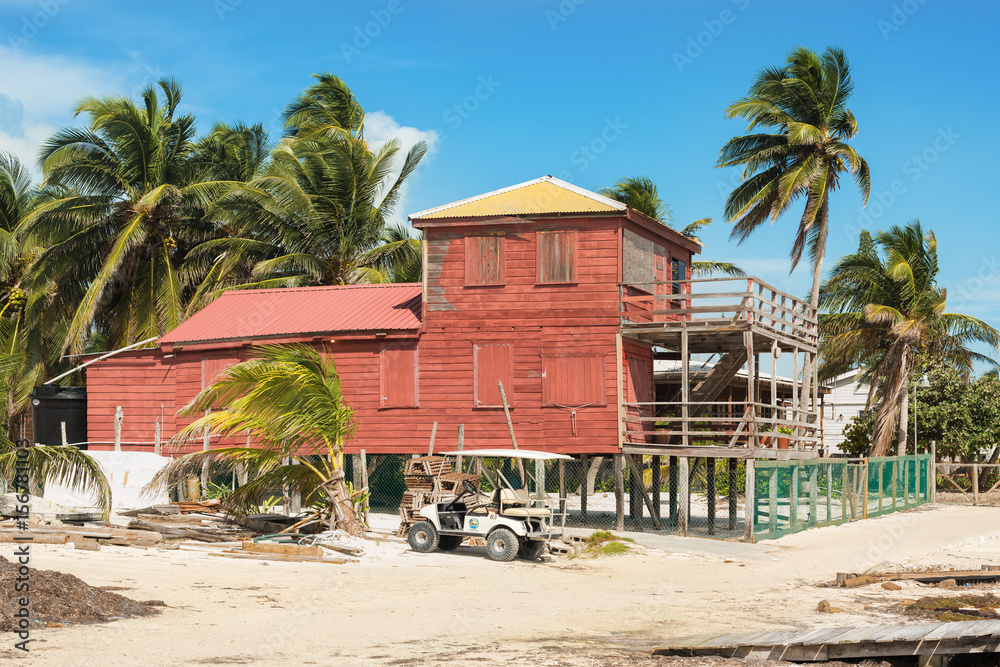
[240, 314]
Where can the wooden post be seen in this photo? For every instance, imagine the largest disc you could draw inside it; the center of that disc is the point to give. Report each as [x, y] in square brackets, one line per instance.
[62, 433]
[710, 482]
[206, 441]
[364, 482]
[733, 491]
[639, 489]
[460, 447]
[562, 488]
[583, 487]
[674, 475]
[793, 496]
[156, 437]
[829, 492]
[812, 492]
[619, 493]
[430, 447]
[774, 392]
[119, 417]
[843, 495]
[932, 472]
[772, 501]
[975, 483]
[655, 484]
[634, 500]
[685, 496]
[749, 502]
[906, 481]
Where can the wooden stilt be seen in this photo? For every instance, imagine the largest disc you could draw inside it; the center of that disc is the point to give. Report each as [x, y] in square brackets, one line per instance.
[634, 499]
[685, 496]
[749, 503]
[639, 489]
[674, 475]
[583, 488]
[710, 482]
[364, 480]
[734, 492]
[655, 487]
[619, 493]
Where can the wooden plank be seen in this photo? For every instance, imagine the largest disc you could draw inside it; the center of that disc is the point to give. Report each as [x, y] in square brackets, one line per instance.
[281, 558]
[282, 548]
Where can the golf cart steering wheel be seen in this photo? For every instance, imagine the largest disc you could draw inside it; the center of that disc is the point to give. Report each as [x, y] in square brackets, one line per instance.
[467, 489]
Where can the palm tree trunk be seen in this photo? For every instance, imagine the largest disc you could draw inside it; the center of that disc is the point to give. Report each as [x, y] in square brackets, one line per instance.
[904, 406]
[808, 365]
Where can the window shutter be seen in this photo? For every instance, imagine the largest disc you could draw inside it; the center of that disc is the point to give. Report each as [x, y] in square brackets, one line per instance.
[493, 363]
[398, 377]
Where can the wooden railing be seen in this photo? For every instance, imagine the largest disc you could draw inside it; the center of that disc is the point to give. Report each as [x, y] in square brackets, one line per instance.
[731, 301]
[738, 422]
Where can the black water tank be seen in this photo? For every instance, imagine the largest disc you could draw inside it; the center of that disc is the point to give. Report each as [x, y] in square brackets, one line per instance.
[52, 405]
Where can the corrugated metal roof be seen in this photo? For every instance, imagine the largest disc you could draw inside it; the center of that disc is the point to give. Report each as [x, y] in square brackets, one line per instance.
[239, 314]
[540, 196]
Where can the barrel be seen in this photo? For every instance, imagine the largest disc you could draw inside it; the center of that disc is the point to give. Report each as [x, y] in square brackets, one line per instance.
[50, 406]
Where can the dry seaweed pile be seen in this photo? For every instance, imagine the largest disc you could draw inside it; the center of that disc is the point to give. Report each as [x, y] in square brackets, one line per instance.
[57, 598]
[954, 608]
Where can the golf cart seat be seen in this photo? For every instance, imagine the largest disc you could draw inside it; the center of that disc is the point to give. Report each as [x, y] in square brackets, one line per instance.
[525, 512]
[514, 497]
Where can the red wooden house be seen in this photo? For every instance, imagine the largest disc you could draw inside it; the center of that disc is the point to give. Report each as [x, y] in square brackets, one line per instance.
[522, 286]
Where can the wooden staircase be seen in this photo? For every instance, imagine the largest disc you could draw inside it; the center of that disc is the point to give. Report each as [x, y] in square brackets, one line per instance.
[717, 379]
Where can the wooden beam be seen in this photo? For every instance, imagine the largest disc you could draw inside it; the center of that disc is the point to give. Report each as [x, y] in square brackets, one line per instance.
[685, 496]
[619, 493]
[637, 483]
[749, 502]
[434, 430]
[620, 388]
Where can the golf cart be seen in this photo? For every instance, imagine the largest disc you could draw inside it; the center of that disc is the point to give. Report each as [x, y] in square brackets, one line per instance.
[512, 521]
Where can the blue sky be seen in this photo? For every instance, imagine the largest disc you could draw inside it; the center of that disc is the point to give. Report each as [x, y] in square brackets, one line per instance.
[586, 90]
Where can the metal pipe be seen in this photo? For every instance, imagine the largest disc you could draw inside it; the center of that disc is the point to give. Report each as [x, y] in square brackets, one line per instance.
[105, 356]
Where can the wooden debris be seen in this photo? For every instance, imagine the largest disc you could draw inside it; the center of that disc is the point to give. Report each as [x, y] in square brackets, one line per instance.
[281, 558]
[429, 480]
[283, 549]
[213, 504]
[848, 580]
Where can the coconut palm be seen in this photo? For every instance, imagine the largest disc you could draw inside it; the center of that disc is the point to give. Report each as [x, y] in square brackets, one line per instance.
[290, 402]
[804, 103]
[131, 206]
[886, 312]
[640, 194]
[318, 213]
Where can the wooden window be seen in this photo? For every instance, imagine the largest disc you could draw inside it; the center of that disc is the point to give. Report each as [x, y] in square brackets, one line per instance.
[573, 380]
[483, 260]
[398, 376]
[557, 257]
[678, 271]
[492, 363]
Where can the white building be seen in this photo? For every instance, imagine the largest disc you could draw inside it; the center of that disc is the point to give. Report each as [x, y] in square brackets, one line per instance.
[845, 400]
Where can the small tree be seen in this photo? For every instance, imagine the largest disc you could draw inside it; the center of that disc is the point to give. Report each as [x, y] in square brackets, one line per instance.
[289, 400]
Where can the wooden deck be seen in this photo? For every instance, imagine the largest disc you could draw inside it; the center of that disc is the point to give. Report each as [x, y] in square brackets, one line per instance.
[932, 639]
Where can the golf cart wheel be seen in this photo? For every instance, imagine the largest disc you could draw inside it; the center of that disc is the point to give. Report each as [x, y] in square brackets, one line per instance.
[423, 537]
[449, 542]
[502, 545]
[531, 549]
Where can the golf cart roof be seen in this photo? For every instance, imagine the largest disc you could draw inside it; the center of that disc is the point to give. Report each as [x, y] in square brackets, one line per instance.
[510, 454]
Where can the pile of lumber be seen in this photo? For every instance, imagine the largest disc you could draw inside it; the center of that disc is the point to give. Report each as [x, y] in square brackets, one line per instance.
[988, 574]
[429, 479]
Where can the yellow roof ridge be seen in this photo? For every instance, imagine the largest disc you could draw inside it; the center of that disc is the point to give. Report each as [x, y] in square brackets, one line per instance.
[539, 196]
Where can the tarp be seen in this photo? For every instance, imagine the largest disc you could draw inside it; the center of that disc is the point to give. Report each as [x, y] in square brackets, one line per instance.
[127, 473]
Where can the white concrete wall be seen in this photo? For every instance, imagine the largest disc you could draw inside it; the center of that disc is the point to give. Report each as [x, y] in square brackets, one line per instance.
[127, 473]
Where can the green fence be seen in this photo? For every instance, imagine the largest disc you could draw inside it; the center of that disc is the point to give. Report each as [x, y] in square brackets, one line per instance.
[790, 496]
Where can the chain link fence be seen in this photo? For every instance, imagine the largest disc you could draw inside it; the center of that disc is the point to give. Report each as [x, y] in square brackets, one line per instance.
[790, 496]
[582, 491]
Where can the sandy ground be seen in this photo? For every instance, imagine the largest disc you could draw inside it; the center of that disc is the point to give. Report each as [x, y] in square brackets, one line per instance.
[397, 607]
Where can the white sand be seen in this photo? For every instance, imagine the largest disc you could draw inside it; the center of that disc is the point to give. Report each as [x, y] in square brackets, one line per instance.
[462, 608]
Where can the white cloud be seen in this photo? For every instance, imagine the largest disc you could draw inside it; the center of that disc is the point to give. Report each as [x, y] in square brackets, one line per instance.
[39, 92]
[380, 128]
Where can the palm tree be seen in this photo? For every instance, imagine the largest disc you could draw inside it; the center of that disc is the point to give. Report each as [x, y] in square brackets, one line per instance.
[318, 213]
[289, 400]
[640, 193]
[131, 206]
[804, 105]
[886, 313]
